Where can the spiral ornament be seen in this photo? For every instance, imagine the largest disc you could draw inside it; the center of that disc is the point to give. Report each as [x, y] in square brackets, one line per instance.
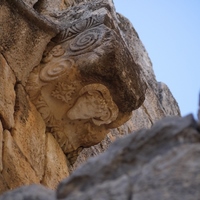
[53, 70]
[86, 41]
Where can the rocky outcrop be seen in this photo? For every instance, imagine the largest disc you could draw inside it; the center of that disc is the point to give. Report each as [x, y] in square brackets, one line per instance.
[33, 192]
[158, 103]
[159, 163]
[72, 72]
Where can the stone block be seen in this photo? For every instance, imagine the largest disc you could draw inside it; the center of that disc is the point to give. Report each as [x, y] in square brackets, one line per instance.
[87, 81]
[29, 132]
[3, 185]
[16, 169]
[1, 146]
[24, 36]
[7, 94]
[56, 163]
[33, 192]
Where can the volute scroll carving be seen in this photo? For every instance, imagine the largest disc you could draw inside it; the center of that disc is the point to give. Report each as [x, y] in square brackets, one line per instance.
[86, 83]
[86, 40]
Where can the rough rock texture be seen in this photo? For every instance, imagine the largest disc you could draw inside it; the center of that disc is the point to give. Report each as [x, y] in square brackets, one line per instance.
[16, 169]
[159, 163]
[56, 163]
[7, 94]
[29, 132]
[23, 38]
[33, 192]
[158, 103]
[1, 146]
[41, 43]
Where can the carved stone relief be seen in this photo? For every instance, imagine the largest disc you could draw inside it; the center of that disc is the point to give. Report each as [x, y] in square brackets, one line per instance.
[78, 27]
[79, 109]
[73, 113]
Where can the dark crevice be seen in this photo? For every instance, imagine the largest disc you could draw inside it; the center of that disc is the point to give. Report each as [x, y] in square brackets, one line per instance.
[37, 5]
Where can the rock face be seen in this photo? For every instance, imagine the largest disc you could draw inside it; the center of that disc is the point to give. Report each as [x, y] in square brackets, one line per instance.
[77, 72]
[159, 163]
[33, 192]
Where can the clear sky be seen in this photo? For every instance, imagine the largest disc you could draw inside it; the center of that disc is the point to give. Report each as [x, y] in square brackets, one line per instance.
[170, 32]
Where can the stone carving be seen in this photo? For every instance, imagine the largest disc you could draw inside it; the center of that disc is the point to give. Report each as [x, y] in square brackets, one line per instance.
[64, 91]
[86, 41]
[55, 52]
[74, 73]
[77, 28]
[94, 103]
[73, 87]
[74, 124]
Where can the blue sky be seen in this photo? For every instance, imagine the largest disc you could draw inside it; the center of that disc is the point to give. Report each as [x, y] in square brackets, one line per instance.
[170, 32]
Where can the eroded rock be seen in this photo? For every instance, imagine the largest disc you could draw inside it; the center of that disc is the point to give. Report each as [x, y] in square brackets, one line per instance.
[23, 37]
[87, 81]
[3, 185]
[1, 147]
[33, 192]
[7, 94]
[160, 163]
[16, 169]
[77, 70]
[159, 102]
[29, 132]
[55, 165]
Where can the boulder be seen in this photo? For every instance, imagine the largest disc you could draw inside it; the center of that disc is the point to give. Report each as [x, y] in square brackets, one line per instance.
[33, 192]
[160, 163]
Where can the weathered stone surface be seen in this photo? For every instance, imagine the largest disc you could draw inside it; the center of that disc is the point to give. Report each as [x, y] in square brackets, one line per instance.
[49, 7]
[3, 185]
[29, 132]
[56, 164]
[31, 3]
[1, 146]
[16, 169]
[84, 69]
[160, 163]
[7, 94]
[87, 81]
[23, 37]
[33, 192]
[167, 101]
[159, 102]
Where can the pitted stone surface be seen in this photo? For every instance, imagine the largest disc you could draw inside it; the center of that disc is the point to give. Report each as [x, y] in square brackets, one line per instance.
[56, 164]
[16, 169]
[160, 163]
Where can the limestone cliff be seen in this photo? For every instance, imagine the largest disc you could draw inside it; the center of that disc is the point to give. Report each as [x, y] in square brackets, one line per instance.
[73, 74]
